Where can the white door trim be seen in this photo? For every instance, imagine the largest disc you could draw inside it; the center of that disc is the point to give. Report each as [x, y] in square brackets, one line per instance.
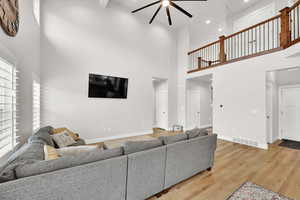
[269, 121]
[281, 88]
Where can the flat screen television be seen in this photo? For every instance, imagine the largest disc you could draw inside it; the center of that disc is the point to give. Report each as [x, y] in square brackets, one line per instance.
[101, 86]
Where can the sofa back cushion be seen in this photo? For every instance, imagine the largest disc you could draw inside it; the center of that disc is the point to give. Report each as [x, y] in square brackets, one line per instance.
[136, 146]
[196, 132]
[42, 136]
[27, 154]
[66, 162]
[173, 138]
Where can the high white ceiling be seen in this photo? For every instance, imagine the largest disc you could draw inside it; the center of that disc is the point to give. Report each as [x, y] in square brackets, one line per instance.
[214, 10]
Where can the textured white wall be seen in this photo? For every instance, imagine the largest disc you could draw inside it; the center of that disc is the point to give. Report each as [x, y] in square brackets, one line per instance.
[23, 50]
[183, 43]
[241, 88]
[80, 37]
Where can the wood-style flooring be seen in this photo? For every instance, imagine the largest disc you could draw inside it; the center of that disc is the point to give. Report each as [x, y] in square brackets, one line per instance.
[277, 169]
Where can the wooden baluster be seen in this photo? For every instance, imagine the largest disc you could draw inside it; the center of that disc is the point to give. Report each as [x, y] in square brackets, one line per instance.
[285, 35]
[222, 49]
[199, 62]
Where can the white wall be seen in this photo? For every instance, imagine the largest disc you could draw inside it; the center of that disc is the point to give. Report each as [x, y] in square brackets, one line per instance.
[80, 37]
[272, 103]
[240, 88]
[23, 50]
[183, 42]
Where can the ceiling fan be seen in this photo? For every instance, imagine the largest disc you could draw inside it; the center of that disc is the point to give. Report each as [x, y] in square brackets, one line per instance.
[167, 4]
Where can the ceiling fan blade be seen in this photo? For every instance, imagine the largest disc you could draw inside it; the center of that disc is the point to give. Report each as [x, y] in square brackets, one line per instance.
[151, 4]
[156, 12]
[169, 16]
[180, 9]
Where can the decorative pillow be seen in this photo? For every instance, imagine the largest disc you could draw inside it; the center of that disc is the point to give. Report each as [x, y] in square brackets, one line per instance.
[63, 139]
[42, 136]
[60, 130]
[77, 150]
[192, 133]
[50, 153]
[196, 132]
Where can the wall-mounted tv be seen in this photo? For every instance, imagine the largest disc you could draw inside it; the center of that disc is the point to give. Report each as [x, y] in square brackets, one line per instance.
[101, 86]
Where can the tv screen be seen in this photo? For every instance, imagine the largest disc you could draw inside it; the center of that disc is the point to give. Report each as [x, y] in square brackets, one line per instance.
[107, 87]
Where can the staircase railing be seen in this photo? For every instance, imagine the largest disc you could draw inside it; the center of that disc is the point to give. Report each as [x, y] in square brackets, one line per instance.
[294, 17]
[271, 35]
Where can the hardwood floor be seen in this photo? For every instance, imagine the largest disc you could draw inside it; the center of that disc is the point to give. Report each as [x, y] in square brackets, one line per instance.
[277, 169]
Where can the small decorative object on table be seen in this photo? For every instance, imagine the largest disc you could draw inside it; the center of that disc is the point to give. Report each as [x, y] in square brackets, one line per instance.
[177, 127]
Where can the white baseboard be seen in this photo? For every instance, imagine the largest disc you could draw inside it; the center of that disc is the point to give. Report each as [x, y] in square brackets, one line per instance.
[102, 139]
[230, 139]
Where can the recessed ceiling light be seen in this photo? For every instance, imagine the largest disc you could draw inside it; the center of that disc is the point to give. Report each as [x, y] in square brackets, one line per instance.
[246, 1]
[165, 3]
[220, 29]
[208, 21]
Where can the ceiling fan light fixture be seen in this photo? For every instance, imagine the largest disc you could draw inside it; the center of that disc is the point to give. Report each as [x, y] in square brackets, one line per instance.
[165, 3]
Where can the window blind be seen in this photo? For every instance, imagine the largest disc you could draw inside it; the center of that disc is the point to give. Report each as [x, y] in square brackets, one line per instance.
[8, 129]
[36, 105]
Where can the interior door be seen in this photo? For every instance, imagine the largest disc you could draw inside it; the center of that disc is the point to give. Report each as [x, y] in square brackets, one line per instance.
[162, 109]
[194, 109]
[290, 114]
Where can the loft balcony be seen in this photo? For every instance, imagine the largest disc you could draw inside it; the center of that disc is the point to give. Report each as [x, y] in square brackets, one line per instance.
[274, 34]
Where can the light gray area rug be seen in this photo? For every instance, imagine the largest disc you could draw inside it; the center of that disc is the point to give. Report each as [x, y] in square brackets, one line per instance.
[250, 191]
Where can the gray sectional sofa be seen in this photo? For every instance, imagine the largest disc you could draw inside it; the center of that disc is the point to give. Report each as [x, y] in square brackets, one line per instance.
[135, 171]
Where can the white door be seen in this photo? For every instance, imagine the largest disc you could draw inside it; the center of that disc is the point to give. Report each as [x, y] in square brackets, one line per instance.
[194, 109]
[269, 114]
[290, 114]
[162, 109]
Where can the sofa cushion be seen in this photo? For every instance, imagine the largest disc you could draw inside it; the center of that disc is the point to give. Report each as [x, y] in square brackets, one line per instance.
[135, 146]
[192, 133]
[42, 136]
[79, 142]
[77, 150]
[173, 138]
[60, 130]
[196, 132]
[63, 139]
[66, 162]
[27, 154]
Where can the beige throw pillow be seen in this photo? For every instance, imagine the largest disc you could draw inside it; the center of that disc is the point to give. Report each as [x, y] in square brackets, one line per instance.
[60, 130]
[73, 151]
[50, 153]
[63, 139]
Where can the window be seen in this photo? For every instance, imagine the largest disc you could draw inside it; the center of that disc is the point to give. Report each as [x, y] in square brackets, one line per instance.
[36, 105]
[36, 10]
[7, 107]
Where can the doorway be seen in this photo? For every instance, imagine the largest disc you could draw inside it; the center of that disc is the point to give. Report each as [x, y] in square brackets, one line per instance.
[160, 91]
[283, 104]
[199, 102]
[290, 112]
